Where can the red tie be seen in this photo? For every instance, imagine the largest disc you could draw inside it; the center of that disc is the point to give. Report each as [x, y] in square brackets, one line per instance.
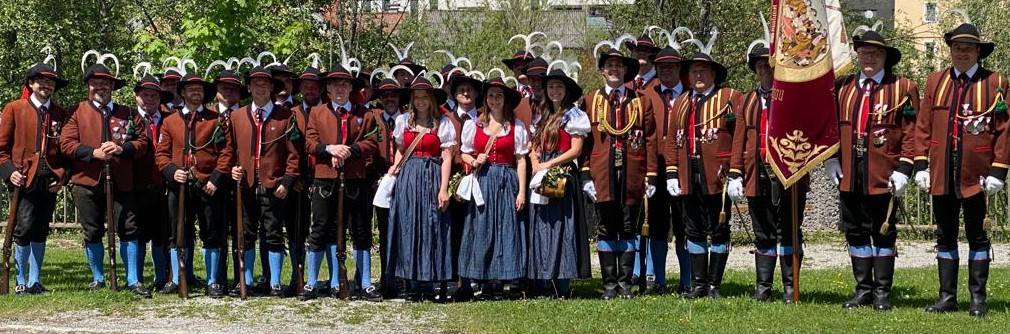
[615, 105]
[961, 84]
[343, 125]
[864, 110]
[259, 137]
[639, 82]
[691, 127]
[45, 131]
[763, 134]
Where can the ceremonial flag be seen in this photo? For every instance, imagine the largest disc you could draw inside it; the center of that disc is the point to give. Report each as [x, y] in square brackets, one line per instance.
[807, 37]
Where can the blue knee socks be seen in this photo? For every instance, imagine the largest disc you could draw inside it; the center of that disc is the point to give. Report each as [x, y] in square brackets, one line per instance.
[276, 262]
[334, 266]
[211, 259]
[38, 255]
[96, 260]
[174, 259]
[657, 260]
[363, 268]
[21, 254]
[312, 263]
[684, 263]
[249, 260]
[129, 251]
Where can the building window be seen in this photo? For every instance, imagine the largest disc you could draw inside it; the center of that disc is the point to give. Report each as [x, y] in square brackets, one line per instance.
[930, 15]
[432, 4]
[930, 50]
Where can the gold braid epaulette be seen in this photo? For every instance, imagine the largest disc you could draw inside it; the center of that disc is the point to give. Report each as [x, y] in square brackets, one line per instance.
[600, 104]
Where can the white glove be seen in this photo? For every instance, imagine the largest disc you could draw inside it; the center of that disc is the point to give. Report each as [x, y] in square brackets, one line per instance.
[834, 170]
[673, 186]
[898, 183]
[650, 190]
[922, 179]
[735, 189]
[991, 185]
[589, 188]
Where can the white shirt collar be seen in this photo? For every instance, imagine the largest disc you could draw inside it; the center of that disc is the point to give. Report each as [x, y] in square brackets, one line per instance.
[705, 93]
[267, 109]
[460, 112]
[185, 110]
[648, 75]
[346, 105]
[99, 106]
[970, 73]
[38, 104]
[157, 115]
[877, 78]
[386, 116]
[221, 107]
[608, 90]
[679, 88]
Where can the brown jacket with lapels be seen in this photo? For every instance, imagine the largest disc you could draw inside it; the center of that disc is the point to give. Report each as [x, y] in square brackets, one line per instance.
[714, 126]
[385, 145]
[652, 98]
[305, 161]
[324, 128]
[526, 109]
[208, 138]
[984, 153]
[278, 164]
[147, 172]
[83, 133]
[889, 143]
[458, 166]
[745, 159]
[639, 142]
[21, 137]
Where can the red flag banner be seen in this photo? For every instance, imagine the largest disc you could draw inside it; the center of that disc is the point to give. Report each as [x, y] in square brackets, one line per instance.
[803, 124]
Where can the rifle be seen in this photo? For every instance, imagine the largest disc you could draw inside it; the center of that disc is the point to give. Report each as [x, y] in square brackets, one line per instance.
[343, 292]
[300, 262]
[240, 240]
[110, 223]
[12, 221]
[643, 245]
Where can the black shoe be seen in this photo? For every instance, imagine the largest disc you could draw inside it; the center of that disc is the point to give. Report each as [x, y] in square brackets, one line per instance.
[765, 269]
[624, 291]
[96, 285]
[262, 286]
[626, 267]
[308, 293]
[237, 292]
[883, 275]
[716, 268]
[169, 288]
[464, 293]
[21, 290]
[609, 273]
[371, 294]
[609, 293]
[978, 276]
[37, 289]
[277, 291]
[215, 290]
[862, 270]
[786, 265]
[140, 291]
[196, 282]
[947, 302]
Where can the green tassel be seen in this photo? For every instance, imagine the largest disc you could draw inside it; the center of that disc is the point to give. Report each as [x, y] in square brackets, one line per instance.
[1001, 107]
[131, 131]
[295, 134]
[730, 117]
[218, 136]
[908, 111]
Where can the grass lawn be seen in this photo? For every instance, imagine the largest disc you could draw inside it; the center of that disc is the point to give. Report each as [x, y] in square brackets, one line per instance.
[823, 291]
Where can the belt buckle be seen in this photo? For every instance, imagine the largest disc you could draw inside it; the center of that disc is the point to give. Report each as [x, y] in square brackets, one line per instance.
[860, 149]
[618, 157]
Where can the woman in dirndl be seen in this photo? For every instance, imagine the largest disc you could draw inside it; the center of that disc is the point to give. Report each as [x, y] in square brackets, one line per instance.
[493, 250]
[559, 237]
[419, 225]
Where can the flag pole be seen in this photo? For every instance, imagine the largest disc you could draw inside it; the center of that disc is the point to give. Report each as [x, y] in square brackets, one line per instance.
[795, 194]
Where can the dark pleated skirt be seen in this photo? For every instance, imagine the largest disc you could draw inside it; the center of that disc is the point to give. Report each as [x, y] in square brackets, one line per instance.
[494, 236]
[419, 234]
[559, 245]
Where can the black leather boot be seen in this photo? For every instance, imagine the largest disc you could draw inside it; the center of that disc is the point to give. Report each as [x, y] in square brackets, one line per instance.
[624, 282]
[978, 275]
[608, 273]
[699, 276]
[765, 268]
[786, 262]
[883, 277]
[862, 270]
[947, 302]
[716, 267]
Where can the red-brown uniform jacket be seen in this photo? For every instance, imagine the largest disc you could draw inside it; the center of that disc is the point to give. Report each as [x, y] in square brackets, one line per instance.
[457, 161]
[385, 145]
[653, 98]
[278, 163]
[147, 172]
[22, 134]
[713, 126]
[889, 143]
[984, 152]
[325, 127]
[598, 158]
[305, 161]
[209, 138]
[84, 132]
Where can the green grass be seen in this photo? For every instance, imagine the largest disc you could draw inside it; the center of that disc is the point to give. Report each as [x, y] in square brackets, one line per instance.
[822, 292]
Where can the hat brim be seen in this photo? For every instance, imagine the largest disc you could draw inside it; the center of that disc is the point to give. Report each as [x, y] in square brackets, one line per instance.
[753, 59]
[572, 89]
[59, 83]
[440, 95]
[721, 73]
[630, 63]
[632, 46]
[512, 97]
[984, 48]
[117, 83]
[209, 89]
[893, 54]
[511, 62]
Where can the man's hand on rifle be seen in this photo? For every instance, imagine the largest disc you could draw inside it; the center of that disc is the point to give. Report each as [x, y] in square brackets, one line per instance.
[101, 153]
[17, 179]
[237, 173]
[111, 148]
[180, 175]
[281, 192]
[336, 162]
[209, 188]
[339, 151]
